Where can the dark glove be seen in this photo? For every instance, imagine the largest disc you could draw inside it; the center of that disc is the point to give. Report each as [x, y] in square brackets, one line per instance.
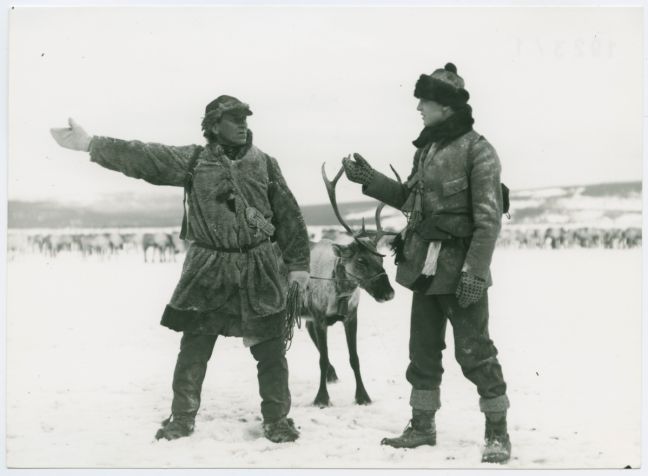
[359, 171]
[470, 289]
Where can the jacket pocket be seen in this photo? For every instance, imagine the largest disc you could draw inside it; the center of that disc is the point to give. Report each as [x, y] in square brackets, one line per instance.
[453, 186]
[457, 225]
[267, 285]
[429, 229]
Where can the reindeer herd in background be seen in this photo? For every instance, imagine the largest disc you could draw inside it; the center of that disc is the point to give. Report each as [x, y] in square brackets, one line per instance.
[553, 237]
[160, 246]
[164, 246]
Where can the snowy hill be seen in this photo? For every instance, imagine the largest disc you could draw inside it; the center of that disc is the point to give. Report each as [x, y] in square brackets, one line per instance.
[603, 205]
[607, 204]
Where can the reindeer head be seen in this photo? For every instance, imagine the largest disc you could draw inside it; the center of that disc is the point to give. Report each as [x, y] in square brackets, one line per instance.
[364, 268]
[362, 262]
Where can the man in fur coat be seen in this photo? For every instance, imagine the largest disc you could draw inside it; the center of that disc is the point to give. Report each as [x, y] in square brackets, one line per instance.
[453, 200]
[246, 231]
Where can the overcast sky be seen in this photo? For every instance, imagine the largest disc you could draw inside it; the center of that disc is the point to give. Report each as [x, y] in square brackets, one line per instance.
[556, 90]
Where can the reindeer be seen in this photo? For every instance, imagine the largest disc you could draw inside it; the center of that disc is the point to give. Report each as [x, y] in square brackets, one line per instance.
[632, 237]
[17, 244]
[115, 243]
[160, 241]
[179, 245]
[95, 244]
[337, 274]
[132, 242]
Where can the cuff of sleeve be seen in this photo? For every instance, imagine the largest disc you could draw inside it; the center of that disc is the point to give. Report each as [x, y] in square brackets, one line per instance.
[92, 144]
[467, 268]
[298, 267]
[378, 185]
[92, 138]
[95, 145]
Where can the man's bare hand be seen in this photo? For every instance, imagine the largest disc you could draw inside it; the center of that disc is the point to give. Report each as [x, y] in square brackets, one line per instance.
[299, 277]
[73, 137]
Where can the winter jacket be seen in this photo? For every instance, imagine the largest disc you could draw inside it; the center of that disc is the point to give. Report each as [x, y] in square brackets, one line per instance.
[461, 204]
[229, 260]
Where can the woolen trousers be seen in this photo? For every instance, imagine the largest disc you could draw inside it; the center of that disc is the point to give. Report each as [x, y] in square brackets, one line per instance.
[474, 350]
[191, 366]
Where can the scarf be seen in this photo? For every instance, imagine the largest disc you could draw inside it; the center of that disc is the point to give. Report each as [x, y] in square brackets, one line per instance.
[225, 189]
[454, 126]
[235, 152]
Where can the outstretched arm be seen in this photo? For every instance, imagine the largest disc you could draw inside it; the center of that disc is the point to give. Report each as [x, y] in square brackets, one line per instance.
[155, 163]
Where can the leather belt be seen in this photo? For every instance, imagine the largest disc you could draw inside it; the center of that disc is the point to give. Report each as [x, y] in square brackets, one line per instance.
[242, 249]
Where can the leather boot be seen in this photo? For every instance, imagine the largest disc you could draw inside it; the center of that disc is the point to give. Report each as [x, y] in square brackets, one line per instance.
[280, 431]
[174, 428]
[497, 448]
[420, 430]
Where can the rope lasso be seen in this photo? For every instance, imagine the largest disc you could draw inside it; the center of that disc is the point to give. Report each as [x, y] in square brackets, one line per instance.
[293, 313]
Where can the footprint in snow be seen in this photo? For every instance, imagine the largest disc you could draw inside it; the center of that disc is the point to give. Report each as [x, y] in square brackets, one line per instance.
[253, 432]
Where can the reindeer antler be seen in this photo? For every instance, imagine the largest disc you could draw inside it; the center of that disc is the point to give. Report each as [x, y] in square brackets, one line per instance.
[379, 229]
[396, 174]
[330, 188]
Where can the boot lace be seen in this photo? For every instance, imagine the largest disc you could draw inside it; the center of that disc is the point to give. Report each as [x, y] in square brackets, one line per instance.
[409, 428]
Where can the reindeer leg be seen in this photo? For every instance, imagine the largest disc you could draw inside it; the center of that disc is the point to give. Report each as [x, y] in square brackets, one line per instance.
[310, 327]
[351, 330]
[331, 376]
[322, 398]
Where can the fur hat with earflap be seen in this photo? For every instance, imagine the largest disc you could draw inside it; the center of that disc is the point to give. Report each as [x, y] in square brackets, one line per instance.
[444, 86]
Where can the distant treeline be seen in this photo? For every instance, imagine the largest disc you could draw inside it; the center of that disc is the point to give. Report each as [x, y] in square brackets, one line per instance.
[126, 210]
[164, 213]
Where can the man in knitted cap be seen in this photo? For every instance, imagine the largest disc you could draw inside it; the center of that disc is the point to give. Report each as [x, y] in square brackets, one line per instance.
[453, 200]
[246, 232]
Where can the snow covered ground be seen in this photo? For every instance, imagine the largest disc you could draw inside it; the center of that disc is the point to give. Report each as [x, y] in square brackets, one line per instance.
[89, 372]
